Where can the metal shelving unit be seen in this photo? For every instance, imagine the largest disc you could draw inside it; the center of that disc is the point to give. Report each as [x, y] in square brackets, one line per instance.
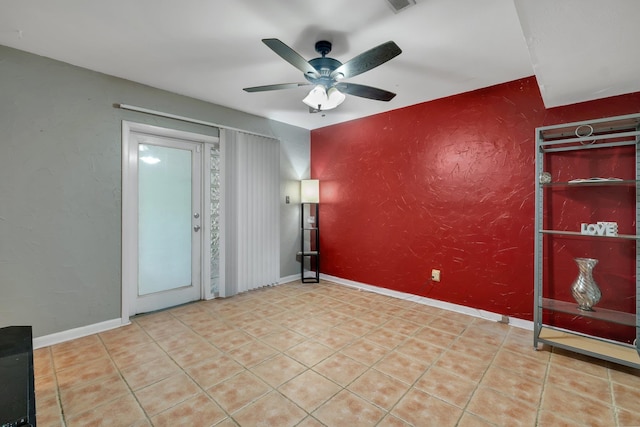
[578, 137]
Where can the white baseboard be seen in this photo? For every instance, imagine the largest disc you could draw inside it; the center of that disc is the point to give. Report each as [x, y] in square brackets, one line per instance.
[521, 323]
[83, 331]
[80, 332]
[475, 312]
[288, 279]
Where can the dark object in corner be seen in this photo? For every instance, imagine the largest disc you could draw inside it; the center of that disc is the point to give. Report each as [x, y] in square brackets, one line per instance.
[17, 392]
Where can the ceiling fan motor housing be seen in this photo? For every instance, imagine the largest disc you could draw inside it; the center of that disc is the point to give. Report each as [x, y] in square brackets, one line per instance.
[325, 67]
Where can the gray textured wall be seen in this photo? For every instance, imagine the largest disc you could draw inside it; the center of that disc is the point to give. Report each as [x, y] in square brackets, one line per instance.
[60, 186]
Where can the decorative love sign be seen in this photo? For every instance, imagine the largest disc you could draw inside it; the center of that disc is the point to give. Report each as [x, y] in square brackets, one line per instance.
[601, 228]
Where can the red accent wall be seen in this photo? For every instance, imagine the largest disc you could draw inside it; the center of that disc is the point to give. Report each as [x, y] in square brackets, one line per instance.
[447, 184]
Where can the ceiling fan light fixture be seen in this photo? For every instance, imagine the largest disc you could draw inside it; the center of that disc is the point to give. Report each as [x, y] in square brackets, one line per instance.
[321, 99]
[335, 98]
[317, 97]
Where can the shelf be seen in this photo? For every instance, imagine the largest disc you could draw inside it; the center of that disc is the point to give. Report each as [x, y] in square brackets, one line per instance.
[623, 183]
[310, 279]
[607, 124]
[308, 253]
[572, 150]
[590, 236]
[608, 350]
[604, 314]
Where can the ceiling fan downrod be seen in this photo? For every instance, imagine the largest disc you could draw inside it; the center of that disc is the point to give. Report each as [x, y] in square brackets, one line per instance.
[323, 47]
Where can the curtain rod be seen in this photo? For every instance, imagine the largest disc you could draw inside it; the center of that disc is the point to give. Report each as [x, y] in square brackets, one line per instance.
[186, 119]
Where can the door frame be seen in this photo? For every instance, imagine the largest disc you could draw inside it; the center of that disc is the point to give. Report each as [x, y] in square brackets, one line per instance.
[129, 227]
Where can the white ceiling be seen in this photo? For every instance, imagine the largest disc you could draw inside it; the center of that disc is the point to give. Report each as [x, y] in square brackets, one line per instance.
[210, 49]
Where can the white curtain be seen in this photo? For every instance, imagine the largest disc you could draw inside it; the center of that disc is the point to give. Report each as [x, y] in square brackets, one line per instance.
[251, 211]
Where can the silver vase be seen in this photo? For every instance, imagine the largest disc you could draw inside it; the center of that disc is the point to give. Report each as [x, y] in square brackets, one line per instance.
[584, 289]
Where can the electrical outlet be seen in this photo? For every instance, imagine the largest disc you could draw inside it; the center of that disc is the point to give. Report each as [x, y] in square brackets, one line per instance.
[435, 275]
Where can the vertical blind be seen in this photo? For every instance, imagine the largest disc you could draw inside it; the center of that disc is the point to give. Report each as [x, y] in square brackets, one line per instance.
[252, 211]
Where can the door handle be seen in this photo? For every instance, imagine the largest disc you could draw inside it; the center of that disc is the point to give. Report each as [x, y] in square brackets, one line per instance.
[196, 228]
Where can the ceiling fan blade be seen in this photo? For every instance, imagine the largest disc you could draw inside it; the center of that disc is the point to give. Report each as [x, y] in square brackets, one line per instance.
[274, 87]
[291, 56]
[365, 91]
[367, 60]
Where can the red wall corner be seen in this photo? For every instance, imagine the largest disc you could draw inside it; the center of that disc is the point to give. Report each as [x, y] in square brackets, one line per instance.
[446, 184]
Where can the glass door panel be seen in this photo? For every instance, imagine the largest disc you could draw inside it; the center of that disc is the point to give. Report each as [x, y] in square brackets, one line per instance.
[169, 182]
[164, 218]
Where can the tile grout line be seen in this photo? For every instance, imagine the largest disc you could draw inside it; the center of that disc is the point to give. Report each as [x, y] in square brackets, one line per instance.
[182, 369]
[543, 388]
[477, 383]
[123, 379]
[58, 392]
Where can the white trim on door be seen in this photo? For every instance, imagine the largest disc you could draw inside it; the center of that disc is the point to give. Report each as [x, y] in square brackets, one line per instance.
[129, 207]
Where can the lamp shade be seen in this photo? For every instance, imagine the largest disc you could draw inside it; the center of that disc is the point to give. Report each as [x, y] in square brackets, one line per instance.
[322, 99]
[334, 98]
[310, 191]
[316, 98]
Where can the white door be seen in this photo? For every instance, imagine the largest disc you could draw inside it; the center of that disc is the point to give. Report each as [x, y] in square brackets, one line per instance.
[162, 219]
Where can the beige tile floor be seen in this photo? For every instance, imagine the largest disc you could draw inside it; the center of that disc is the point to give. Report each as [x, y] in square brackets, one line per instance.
[324, 355]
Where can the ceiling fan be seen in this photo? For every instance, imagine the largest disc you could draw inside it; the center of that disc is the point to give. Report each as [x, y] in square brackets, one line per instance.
[326, 74]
